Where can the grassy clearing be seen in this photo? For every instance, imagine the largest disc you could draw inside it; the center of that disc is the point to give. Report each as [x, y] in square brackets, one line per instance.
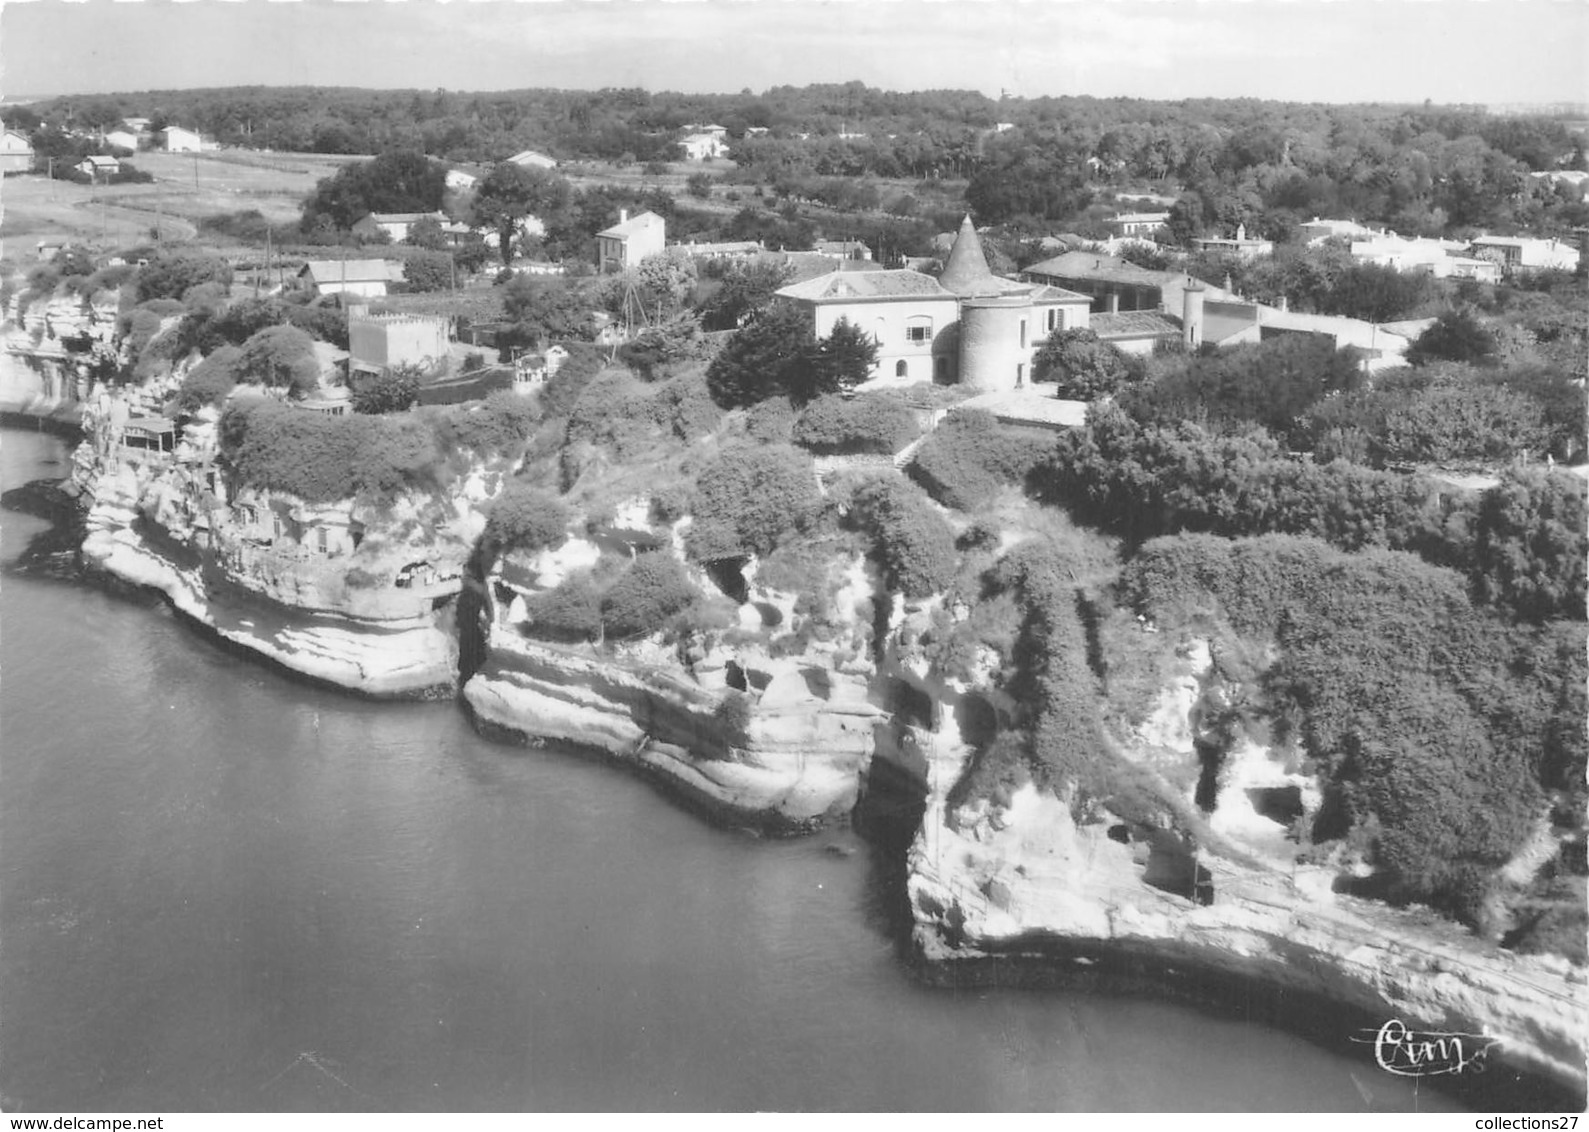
[187, 188]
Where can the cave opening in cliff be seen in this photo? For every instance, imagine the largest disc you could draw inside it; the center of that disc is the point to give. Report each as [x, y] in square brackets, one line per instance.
[1282, 804]
[728, 575]
[1212, 757]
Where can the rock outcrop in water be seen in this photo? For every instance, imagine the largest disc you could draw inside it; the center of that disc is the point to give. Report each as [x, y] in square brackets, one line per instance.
[792, 760]
[1024, 891]
[358, 597]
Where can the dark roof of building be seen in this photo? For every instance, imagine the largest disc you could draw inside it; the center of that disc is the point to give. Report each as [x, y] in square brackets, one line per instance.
[838, 285]
[1092, 265]
[1134, 324]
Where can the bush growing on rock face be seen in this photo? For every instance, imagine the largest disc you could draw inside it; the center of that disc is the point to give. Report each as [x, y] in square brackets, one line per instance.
[645, 596]
[733, 714]
[210, 381]
[748, 499]
[570, 612]
[1419, 710]
[526, 518]
[500, 425]
[912, 542]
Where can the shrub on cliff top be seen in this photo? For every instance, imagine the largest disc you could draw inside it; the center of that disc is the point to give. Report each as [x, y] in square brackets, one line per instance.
[524, 517]
[276, 447]
[834, 425]
[210, 381]
[570, 612]
[498, 426]
[653, 589]
[970, 456]
[748, 499]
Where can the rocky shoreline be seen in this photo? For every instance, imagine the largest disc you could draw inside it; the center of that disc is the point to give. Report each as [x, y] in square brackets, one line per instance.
[1018, 895]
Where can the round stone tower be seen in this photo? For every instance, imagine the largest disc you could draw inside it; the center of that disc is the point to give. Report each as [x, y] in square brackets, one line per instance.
[998, 326]
[995, 342]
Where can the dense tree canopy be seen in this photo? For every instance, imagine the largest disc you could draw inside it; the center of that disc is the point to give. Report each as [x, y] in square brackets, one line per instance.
[399, 181]
[510, 194]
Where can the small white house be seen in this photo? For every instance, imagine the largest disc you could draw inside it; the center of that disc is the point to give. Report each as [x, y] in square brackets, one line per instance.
[16, 152]
[98, 167]
[121, 139]
[702, 147]
[533, 159]
[177, 140]
[629, 241]
[365, 277]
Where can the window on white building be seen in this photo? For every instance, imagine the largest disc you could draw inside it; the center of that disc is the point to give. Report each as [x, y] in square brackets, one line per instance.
[918, 329]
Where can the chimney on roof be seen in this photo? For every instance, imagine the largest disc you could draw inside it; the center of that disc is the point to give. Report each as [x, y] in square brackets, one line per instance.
[623, 216]
[1241, 232]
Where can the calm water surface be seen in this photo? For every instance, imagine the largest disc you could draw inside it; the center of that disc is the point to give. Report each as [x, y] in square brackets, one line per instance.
[220, 889]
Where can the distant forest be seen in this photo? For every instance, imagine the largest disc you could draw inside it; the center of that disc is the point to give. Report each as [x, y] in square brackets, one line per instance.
[1421, 169]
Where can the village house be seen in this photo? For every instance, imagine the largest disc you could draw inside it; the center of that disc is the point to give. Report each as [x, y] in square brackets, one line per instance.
[1239, 246]
[629, 241]
[121, 139]
[1138, 223]
[16, 152]
[722, 249]
[177, 140]
[100, 167]
[1317, 230]
[395, 225]
[136, 125]
[1226, 322]
[1439, 258]
[1520, 253]
[1115, 285]
[968, 326]
[842, 249]
[366, 277]
[460, 180]
[533, 159]
[703, 147]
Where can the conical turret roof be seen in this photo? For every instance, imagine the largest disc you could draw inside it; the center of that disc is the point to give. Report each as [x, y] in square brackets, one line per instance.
[967, 271]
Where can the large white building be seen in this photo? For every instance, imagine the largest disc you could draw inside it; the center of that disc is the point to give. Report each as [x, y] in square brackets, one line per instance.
[968, 326]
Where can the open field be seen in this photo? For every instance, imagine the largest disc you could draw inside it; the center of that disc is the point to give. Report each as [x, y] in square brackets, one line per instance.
[187, 188]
